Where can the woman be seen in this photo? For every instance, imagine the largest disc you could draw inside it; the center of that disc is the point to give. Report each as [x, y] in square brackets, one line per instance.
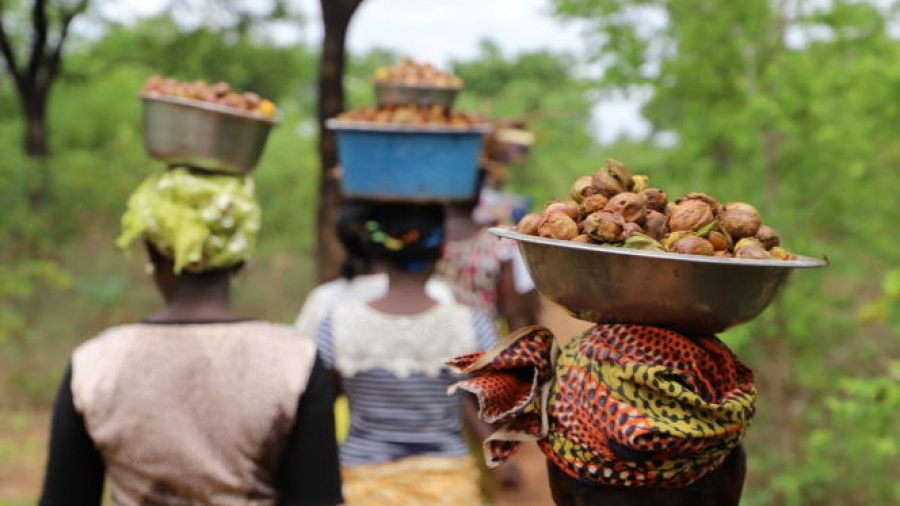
[405, 444]
[362, 278]
[625, 414]
[484, 271]
[196, 404]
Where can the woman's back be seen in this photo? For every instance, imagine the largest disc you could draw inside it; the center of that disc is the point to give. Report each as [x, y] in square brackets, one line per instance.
[393, 372]
[197, 405]
[159, 399]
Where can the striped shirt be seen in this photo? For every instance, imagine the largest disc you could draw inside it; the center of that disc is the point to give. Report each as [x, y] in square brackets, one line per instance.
[393, 375]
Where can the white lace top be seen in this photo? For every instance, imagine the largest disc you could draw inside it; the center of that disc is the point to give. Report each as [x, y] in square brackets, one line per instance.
[367, 339]
[392, 370]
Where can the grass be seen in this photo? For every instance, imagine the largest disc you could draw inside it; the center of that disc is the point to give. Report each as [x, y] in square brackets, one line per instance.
[23, 447]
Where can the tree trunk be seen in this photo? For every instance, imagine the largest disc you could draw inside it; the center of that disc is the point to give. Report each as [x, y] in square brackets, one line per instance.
[34, 107]
[336, 15]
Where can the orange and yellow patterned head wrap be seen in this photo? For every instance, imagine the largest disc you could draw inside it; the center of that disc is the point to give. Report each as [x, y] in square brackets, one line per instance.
[626, 405]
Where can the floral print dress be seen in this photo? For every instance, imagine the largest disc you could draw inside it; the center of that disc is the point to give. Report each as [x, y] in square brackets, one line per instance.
[472, 268]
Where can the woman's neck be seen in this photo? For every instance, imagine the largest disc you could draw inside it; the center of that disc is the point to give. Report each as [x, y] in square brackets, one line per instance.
[406, 293]
[198, 302]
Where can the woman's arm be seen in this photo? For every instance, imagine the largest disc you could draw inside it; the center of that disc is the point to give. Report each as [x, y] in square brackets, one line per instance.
[309, 474]
[325, 344]
[75, 469]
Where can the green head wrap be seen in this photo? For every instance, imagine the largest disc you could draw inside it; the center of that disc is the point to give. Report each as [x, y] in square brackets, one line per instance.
[202, 222]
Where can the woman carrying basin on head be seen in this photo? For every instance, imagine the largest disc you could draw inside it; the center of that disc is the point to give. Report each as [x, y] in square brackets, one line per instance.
[196, 404]
[362, 277]
[405, 443]
[625, 414]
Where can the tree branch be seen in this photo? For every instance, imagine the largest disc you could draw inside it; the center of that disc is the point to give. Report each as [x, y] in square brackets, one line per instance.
[7, 51]
[39, 40]
[56, 53]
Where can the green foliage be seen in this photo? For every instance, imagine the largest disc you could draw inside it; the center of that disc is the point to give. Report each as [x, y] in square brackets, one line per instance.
[885, 308]
[287, 184]
[206, 53]
[862, 411]
[542, 89]
[19, 282]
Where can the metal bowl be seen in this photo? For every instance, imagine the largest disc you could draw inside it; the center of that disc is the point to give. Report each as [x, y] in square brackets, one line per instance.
[199, 134]
[688, 293]
[387, 95]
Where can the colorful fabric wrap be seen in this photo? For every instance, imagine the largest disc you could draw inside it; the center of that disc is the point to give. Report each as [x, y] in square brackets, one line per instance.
[201, 221]
[625, 405]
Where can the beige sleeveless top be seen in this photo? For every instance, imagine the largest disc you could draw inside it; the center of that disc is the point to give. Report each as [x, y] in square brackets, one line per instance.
[194, 413]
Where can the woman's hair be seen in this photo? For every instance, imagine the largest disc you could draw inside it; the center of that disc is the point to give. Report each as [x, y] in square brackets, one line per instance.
[405, 235]
[350, 225]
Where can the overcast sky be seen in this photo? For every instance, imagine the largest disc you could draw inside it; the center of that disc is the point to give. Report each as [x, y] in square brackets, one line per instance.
[438, 31]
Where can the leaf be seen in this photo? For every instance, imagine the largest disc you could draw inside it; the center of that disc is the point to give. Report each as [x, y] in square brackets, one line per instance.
[704, 232]
[642, 242]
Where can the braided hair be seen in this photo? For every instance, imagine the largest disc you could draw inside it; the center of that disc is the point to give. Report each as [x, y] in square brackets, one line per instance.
[409, 236]
[350, 223]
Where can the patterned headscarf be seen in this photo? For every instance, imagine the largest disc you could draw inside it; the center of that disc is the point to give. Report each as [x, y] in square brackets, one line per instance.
[200, 221]
[626, 405]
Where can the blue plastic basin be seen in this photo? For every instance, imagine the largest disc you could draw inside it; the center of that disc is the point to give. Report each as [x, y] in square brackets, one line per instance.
[406, 163]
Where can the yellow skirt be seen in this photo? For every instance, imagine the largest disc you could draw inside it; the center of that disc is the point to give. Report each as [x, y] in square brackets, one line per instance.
[413, 481]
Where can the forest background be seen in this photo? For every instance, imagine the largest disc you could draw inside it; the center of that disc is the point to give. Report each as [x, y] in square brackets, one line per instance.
[791, 105]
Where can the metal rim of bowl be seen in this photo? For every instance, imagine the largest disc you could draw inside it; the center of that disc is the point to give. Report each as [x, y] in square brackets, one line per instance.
[206, 106]
[368, 126]
[802, 262]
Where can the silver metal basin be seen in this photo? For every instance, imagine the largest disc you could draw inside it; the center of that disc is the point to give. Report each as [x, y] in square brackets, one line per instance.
[397, 94]
[200, 134]
[688, 293]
